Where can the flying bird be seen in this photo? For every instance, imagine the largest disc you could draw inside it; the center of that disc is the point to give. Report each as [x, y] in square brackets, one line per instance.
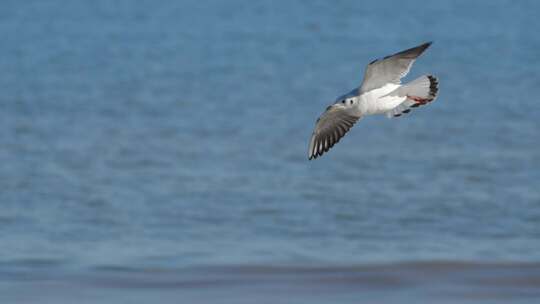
[381, 92]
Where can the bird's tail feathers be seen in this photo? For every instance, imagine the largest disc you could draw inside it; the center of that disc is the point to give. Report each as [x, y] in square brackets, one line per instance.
[420, 91]
[423, 89]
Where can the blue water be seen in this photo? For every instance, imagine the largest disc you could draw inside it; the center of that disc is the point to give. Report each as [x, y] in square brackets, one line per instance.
[143, 137]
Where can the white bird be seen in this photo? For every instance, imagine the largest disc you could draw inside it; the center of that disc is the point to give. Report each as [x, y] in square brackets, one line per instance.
[380, 93]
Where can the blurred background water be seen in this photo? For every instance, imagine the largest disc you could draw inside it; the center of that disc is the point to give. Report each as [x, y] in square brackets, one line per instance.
[159, 137]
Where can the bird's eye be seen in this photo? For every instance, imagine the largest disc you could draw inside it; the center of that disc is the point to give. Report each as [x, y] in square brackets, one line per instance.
[343, 101]
[350, 101]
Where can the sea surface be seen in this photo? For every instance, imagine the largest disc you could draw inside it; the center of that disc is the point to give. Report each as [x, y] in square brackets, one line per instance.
[156, 152]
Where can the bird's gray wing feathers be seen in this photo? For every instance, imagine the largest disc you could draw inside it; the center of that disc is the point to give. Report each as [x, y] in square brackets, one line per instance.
[330, 128]
[391, 68]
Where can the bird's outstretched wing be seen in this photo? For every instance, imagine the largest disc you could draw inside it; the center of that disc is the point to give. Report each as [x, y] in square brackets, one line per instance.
[391, 68]
[330, 128]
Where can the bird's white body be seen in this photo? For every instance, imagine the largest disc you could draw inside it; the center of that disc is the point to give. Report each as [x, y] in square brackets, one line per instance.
[379, 101]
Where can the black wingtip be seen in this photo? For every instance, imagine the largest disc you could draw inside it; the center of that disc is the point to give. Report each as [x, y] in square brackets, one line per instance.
[425, 45]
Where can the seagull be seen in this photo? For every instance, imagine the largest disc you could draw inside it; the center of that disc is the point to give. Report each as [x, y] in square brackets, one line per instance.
[381, 92]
